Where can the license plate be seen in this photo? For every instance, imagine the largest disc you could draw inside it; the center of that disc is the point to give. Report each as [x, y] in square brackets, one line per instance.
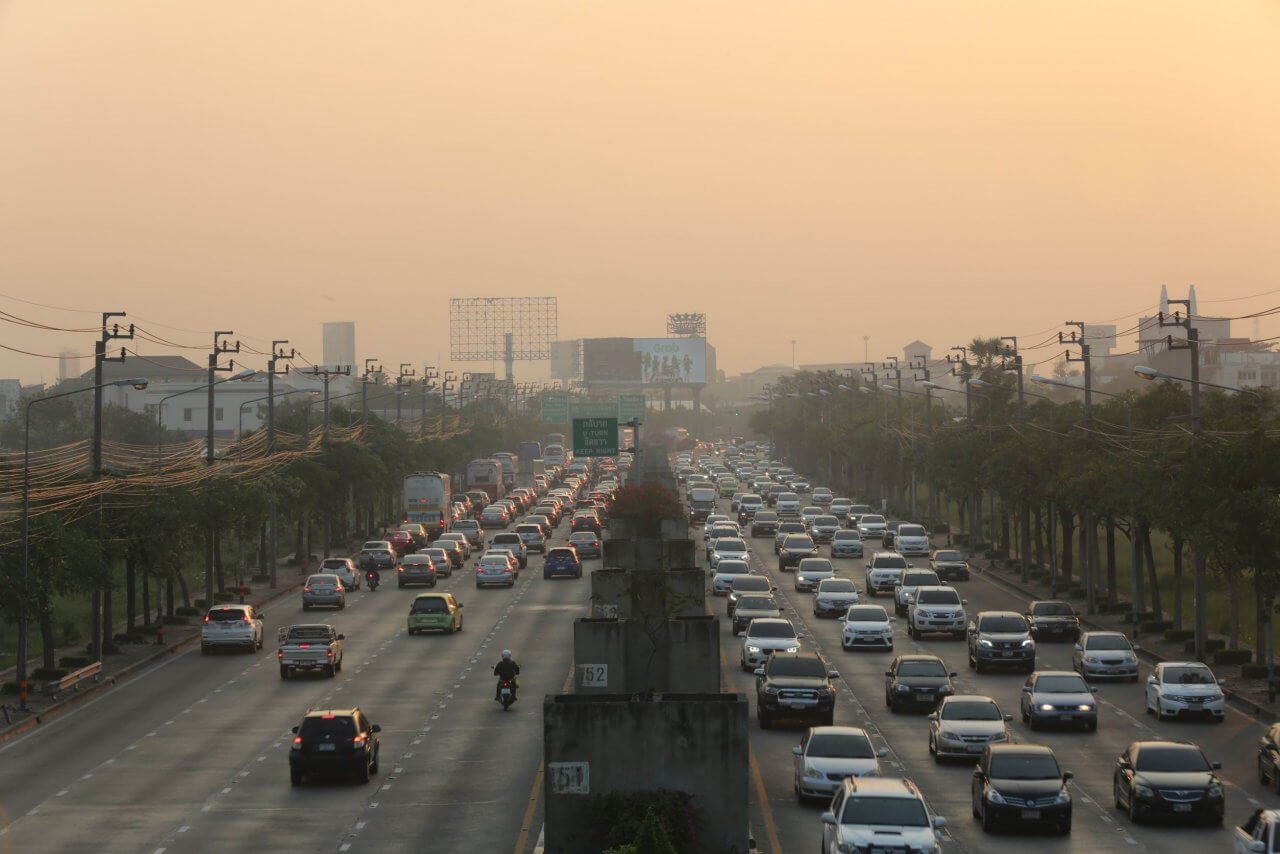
[1006, 655]
[506, 692]
[326, 748]
[793, 704]
[1196, 702]
[1030, 814]
[924, 698]
[1064, 717]
[1182, 807]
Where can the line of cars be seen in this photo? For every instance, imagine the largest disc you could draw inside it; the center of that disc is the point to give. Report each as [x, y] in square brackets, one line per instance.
[1013, 784]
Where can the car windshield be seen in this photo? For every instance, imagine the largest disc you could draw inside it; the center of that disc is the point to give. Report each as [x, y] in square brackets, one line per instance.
[869, 519]
[819, 564]
[921, 668]
[1052, 609]
[894, 812]
[582, 538]
[837, 585]
[871, 614]
[756, 603]
[918, 579]
[890, 563]
[970, 710]
[1189, 676]
[766, 516]
[812, 668]
[847, 535]
[1114, 642]
[725, 544]
[732, 567]
[910, 531]
[771, 630]
[1171, 760]
[826, 522]
[839, 745]
[938, 597]
[948, 556]
[466, 525]
[1030, 766]
[429, 606]
[798, 543]
[376, 545]
[1002, 624]
[335, 563]
[494, 560]
[560, 553]
[1061, 685]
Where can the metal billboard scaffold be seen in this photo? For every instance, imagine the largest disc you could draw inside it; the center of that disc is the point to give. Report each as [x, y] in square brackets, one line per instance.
[486, 329]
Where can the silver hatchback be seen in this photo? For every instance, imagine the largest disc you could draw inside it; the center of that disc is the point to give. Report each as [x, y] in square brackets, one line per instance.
[324, 589]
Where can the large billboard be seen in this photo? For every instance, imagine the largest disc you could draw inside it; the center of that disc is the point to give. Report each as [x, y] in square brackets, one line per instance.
[645, 361]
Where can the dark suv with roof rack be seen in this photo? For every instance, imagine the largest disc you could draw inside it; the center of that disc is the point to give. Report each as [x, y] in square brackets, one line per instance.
[334, 742]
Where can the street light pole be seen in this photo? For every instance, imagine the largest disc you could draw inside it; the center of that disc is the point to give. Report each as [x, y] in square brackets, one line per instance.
[277, 354]
[139, 383]
[1088, 567]
[1024, 506]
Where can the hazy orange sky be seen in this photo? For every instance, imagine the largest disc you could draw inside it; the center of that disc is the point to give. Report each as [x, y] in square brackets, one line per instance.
[811, 170]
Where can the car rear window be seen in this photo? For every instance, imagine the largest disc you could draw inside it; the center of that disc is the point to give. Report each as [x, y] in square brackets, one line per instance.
[434, 605]
[308, 633]
[416, 560]
[910, 531]
[772, 630]
[225, 615]
[918, 579]
[336, 728]
[334, 563]
[565, 553]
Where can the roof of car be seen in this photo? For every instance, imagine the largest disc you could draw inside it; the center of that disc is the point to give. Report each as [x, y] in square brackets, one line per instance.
[918, 656]
[323, 713]
[1021, 748]
[971, 698]
[982, 614]
[883, 787]
[1037, 674]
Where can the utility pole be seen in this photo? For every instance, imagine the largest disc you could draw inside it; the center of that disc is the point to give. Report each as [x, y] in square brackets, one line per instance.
[920, 373]
[446, 385]
[1011, 359]
[1200, 580]
[100, 628]
[961, 367]
[406, 372]
[327, 375]
[1087, 569]
[277, 355]
[890, 363]
[220, 347]
[429, 377]
[371, 368]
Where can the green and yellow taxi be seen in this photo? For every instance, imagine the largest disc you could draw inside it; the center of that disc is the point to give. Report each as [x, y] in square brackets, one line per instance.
[435, 612]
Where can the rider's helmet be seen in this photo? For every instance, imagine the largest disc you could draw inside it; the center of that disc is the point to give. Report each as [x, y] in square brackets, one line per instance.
[506, 654]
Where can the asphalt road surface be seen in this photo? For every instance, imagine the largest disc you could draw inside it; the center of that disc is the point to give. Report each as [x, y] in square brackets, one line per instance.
[193, 755]
[782, 825]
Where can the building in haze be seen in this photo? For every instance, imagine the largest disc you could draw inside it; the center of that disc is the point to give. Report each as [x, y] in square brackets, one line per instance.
[339, 350]
[68, 365]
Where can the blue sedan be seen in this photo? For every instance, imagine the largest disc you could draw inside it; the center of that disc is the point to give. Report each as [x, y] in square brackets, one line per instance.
[562, 561]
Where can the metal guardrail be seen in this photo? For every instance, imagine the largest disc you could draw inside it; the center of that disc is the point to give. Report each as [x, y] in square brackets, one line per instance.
[73, 679]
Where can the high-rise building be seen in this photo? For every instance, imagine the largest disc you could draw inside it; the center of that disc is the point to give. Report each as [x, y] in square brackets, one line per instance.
[68, 365]
[340, 344]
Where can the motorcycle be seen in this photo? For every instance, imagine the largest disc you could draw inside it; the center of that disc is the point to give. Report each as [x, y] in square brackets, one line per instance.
[373, 579]
[506, 693]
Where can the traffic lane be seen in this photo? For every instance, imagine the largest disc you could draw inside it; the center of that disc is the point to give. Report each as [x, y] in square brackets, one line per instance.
[151, 783]
[946, 787]
[90, 736]
[1122, 716]
[1090, 756]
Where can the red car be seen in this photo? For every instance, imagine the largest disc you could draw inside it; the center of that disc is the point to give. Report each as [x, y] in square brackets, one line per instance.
[401, 541]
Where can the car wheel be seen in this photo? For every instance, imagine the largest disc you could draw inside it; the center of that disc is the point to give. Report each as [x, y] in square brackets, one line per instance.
[330, 671]
[1115, 794]
[1064, 829]
[1135, 815]
[972, 664]
[295, 777]
[342, 606]
[306, 607]
[284, 672]
[1092, 726]
[988, 823]
[1026, 718]
[1032, 723]
[746, 668]
[377, 755]
[830, 719]
[766, 722]
[362, 775]
[204, 650]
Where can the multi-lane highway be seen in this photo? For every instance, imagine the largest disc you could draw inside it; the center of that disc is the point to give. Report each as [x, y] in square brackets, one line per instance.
[193, 756]
[782, 825]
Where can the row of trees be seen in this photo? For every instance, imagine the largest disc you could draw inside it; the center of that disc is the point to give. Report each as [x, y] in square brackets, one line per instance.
[1131, 472]
[147, 546]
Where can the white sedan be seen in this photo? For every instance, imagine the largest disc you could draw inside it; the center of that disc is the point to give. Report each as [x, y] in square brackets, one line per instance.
[726, 572]
[728, 548]
[1184, 689]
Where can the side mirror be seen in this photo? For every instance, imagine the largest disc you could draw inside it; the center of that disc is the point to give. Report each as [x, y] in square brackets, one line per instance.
[799, 635]
[1067, 775]
[759, 671]
[294, 730]
[952, 674]
[342, 637]
[1093, 689]
[376, 728]
[1078, 648]
[742, 634]
[1124, 765]
[459, 604]
[933, 716]
[833, 674]
[828, 818]
[1151, 680]
[796, 751]
[1008, 719]
[882, 752]
[889, 673]
[977, 773]
[964, 601]
[280, 633]
[939, 821]
[1216, 766]
[1222, 682]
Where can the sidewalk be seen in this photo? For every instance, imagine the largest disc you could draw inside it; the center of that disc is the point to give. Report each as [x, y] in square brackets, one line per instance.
[119, 666]
[1248, 695]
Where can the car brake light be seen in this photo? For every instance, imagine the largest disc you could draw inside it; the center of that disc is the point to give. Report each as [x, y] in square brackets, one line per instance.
[305, 645]
[280, 653]
[326, 717]
[329, 653]
[306, 589]
[297, 742]
[358, 741]
[206, 618]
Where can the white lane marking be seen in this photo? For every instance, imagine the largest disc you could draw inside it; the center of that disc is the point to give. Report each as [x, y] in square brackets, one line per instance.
[184, 828]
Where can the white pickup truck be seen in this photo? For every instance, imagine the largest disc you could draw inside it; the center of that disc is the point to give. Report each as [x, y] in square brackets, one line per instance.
[311, 647]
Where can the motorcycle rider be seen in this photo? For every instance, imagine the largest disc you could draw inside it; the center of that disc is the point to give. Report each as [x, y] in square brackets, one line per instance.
[505, 669]
[373, 577]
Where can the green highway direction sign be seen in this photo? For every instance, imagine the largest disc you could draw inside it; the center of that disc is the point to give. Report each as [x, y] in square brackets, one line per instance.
[595, 437]
[631, 408]
[594, 409]
[555, 407]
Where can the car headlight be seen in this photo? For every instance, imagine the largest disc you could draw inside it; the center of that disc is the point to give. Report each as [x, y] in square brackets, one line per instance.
[753, 649]
[945, 689]
[1063, 796]
[951, 736]
[792, 648]
[995, 797]
[1085, 707]
[810, 771]
[1046, 707]
[1215, 791]
[903, 689]
[1143, 791]
[771, 689]
[1028, 643]
[985, 643]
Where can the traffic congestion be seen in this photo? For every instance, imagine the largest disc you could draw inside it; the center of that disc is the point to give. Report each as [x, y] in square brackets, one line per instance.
[927, 707]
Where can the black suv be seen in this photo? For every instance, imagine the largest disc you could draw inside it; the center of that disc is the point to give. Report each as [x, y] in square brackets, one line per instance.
[795, 548]
[1169, 779]
[1001, 639]
[1021, 784]
[916, 681]
[795, 685]
[1050, 618]
[334, 742]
